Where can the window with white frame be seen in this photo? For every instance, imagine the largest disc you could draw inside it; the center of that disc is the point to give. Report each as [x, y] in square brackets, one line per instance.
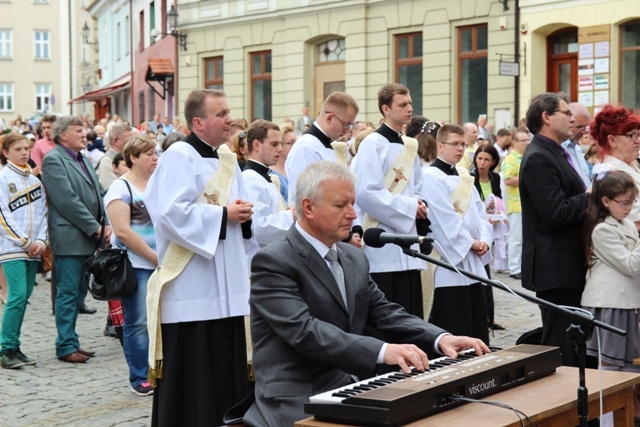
[43, 44]
[118, 41]
[126, 35]
[43, 93]
[6, 96]
[6, 44]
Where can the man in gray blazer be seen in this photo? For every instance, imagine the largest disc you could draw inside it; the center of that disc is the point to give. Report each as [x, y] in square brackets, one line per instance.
[74, 196]
[308, 316]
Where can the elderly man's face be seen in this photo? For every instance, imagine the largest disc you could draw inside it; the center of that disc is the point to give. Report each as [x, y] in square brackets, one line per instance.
[471, 134]
[331, 216]
[580, 127]
[74, 138]
[99, 130]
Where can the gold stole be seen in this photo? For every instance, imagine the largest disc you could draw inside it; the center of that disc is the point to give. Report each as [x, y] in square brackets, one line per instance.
[340, 149]
[216, 192]
[275, 179]
[398, 176]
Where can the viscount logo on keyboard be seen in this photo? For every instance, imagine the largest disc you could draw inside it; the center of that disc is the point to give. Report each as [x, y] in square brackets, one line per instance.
[397, 398]
[474, 389]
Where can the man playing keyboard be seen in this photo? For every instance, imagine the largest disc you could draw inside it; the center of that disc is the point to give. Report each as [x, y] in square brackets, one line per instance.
[312, 299]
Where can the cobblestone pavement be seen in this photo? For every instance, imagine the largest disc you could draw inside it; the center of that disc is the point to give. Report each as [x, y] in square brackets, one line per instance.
[97, 393]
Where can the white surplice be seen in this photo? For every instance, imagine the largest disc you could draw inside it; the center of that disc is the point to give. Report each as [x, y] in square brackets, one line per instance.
[267, 223]
[456, 233]
[215, 283]
[307, 150]
[396, 212]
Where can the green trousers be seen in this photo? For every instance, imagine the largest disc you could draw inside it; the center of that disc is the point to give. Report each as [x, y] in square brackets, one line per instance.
[21, 276]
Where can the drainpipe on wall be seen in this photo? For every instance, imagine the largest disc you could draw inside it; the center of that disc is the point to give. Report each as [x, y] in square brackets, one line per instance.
[516, 91]
[71, 44]
[133, 80]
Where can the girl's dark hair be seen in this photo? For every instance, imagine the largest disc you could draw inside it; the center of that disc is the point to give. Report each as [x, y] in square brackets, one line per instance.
[7, 141]
[613, 184]
[117, 159]
[491, 150]
[424, 131]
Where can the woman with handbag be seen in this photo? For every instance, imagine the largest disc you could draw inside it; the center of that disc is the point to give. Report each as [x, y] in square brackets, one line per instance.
[133, 229]
[23, 239]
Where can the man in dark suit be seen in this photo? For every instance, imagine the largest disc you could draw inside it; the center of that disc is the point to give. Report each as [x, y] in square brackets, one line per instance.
[554, 203]
[74, 196]
[309, 312]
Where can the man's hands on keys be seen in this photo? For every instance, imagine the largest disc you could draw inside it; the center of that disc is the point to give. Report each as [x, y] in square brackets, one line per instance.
[239, 211]
[406, 355]
[450, 345]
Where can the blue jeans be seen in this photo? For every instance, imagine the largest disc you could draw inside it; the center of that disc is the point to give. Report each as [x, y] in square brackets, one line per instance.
[71, 289]
[136, 338]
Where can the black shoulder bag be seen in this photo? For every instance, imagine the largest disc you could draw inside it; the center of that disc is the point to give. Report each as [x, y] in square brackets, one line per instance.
[111, 276]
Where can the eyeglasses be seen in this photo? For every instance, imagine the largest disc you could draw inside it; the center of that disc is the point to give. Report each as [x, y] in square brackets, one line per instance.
[632, 136]
[456, 144]
[346, 125]
[582, 128]
[567, 112]
[521, 140]
[626, 203]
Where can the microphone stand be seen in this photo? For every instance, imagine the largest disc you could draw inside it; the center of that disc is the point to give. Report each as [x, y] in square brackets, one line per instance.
[578, 333]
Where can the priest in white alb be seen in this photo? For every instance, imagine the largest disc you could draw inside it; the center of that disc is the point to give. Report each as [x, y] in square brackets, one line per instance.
[199, 294]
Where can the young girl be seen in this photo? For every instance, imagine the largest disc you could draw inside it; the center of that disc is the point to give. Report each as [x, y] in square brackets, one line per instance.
[612, 248]
[23, 239]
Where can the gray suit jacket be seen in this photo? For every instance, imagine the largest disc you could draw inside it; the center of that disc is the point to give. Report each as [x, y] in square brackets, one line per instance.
[75, 203]
[300, 123]
[305, 341]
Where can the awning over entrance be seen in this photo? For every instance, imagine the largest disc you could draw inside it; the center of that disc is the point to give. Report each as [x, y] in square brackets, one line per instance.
[160, 70]
[117, 85]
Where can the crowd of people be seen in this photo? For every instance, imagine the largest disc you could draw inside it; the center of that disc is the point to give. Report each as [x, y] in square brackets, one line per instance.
[228, 222]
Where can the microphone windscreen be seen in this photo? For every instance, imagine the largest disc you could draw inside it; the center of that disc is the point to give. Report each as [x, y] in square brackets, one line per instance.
[372, 237]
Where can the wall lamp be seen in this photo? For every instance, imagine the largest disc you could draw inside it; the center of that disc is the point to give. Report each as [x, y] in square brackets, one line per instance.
[172, 25]
[85, 37]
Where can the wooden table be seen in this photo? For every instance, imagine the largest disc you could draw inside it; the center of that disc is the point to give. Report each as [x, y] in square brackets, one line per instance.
[549, 401]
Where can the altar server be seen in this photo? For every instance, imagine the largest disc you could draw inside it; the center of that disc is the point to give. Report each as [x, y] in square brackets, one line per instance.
[388, 187]
[270, 219]
[460, 226]
[338, 113]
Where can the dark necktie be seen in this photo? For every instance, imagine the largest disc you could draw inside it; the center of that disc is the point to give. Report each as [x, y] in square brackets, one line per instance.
[567, 156]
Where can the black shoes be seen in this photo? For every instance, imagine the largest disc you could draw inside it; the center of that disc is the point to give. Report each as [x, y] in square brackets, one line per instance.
[86, 310]
[517, 276]
[110, 331]
[14, 359]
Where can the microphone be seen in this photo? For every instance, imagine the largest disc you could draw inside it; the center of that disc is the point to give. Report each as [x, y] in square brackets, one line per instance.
[378, 237]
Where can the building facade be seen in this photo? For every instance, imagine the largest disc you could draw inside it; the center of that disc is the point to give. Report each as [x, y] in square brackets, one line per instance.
[460, 59]
[273, 57]
[42, 57]
[135, 60]
[586, 48]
